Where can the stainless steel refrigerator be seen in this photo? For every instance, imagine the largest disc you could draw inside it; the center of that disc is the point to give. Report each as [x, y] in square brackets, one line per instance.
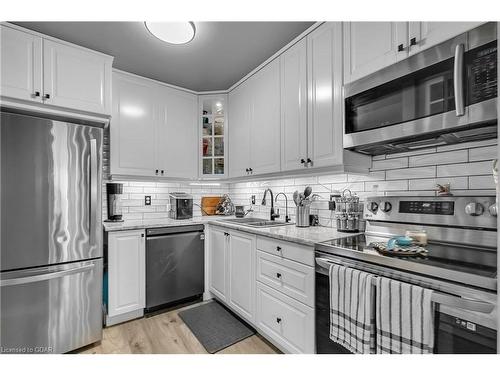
[51, 235]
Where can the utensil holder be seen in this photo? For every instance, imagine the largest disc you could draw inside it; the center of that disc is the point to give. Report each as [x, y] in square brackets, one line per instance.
[302, 216]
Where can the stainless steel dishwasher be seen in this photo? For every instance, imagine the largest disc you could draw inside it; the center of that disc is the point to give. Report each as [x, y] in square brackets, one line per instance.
[174, 265]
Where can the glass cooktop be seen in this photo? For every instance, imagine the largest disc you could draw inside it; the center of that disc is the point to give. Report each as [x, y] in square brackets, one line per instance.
[478, 261]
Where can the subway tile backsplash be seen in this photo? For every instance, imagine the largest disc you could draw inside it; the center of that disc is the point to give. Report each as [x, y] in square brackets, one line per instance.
[467, 167]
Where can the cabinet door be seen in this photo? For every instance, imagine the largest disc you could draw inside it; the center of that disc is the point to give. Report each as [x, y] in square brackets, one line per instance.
[239, 131]
[132, 128]
[289, 323]
[126, 272]
[21, 65]
[76, 78]
[325, 95]
[218, 263]
[370, 46]
[265, 151]
[177, 133]
[242, 274]
[428, 34]
[294, 106]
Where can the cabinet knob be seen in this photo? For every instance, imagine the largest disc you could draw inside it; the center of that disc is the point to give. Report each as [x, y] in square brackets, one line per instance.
[142, 234]
[247, 170]
[278, 320]
[278, 275]
[46, 96]
[302, 161]
[309, 161]
[251, 170]
[37, 93]
[162, 171]
[156, 171]
[413, 41]
[278, 248]
[401, 48]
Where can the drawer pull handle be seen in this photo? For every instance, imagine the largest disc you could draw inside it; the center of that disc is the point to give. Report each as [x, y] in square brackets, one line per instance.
[278, 320]
[278, 275]
[278, 248]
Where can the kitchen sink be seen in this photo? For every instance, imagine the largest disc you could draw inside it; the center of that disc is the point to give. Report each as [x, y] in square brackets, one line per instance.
[256, 222]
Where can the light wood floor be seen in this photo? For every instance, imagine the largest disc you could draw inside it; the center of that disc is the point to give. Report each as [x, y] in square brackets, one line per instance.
[165, 333]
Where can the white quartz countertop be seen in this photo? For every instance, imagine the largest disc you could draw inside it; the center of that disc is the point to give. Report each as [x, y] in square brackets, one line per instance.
[159, 223]
[305, 236]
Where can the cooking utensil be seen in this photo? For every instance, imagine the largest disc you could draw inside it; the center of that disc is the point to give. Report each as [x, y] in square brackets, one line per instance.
[307, 191]
[296, 197]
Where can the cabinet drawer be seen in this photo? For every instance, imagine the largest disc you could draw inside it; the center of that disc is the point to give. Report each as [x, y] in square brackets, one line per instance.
[294, 279]
[288, 250]
[290, 324]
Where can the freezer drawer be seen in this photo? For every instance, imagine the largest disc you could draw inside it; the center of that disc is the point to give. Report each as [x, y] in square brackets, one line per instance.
[174, 268]
[52, 309]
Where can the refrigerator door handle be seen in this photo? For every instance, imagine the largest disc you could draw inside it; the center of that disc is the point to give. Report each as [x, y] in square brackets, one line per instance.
[93, 191]
[46, 276]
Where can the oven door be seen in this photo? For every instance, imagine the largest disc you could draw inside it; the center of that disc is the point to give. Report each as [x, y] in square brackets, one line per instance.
[462, 325]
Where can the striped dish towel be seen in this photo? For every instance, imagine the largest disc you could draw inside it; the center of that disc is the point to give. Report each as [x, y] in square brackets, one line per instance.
[352, 309]
[405, 321]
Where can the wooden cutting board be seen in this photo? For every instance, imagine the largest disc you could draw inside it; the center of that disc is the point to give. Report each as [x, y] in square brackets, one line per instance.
[208, 205]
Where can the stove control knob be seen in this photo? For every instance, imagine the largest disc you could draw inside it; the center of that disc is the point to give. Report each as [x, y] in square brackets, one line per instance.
[373, 207]
[493, 209]
[474, 209]
[386, 207]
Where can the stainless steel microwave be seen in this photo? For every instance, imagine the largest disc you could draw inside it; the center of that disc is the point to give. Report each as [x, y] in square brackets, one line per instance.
[445, 94]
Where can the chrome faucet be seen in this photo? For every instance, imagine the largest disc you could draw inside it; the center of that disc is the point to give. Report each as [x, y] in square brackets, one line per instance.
[274, 215]
[287, 219]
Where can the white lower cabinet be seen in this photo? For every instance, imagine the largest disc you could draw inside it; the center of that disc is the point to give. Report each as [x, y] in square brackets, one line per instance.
[291, 278]
[242, 274]
[126, 276]
[217, 256]
[274, 293]
[232, 270]
[286, 322]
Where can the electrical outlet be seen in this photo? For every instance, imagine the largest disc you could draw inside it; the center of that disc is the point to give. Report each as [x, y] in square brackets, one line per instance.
[147, 200]
[253, 199]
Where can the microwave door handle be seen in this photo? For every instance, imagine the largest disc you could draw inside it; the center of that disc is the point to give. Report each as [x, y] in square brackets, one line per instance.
[458, 80]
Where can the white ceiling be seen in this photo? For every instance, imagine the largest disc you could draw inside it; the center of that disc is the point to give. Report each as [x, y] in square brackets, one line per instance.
[220, 54]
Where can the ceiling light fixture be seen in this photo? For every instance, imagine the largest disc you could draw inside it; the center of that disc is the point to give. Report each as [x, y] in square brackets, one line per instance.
[172, 32]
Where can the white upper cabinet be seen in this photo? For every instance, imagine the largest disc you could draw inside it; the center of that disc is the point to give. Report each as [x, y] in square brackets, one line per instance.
[177, 133]
[38, 69]
[325, 95]
[370, 46]
[21, 65]
[133, 127]
[423, 35]
[76, 78]
[265, 152]
[294, 106]
[153, 129]
[239, 131]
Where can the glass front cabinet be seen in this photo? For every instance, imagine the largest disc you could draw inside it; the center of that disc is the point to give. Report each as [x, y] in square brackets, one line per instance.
[213, 129]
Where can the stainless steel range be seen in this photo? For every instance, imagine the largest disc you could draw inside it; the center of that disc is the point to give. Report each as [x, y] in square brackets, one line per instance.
[460, 264]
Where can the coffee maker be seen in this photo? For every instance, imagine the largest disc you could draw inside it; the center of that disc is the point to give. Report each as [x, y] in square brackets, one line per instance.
[114, 191]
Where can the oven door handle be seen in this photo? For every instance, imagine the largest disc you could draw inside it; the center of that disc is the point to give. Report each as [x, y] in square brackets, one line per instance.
[437, 297]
